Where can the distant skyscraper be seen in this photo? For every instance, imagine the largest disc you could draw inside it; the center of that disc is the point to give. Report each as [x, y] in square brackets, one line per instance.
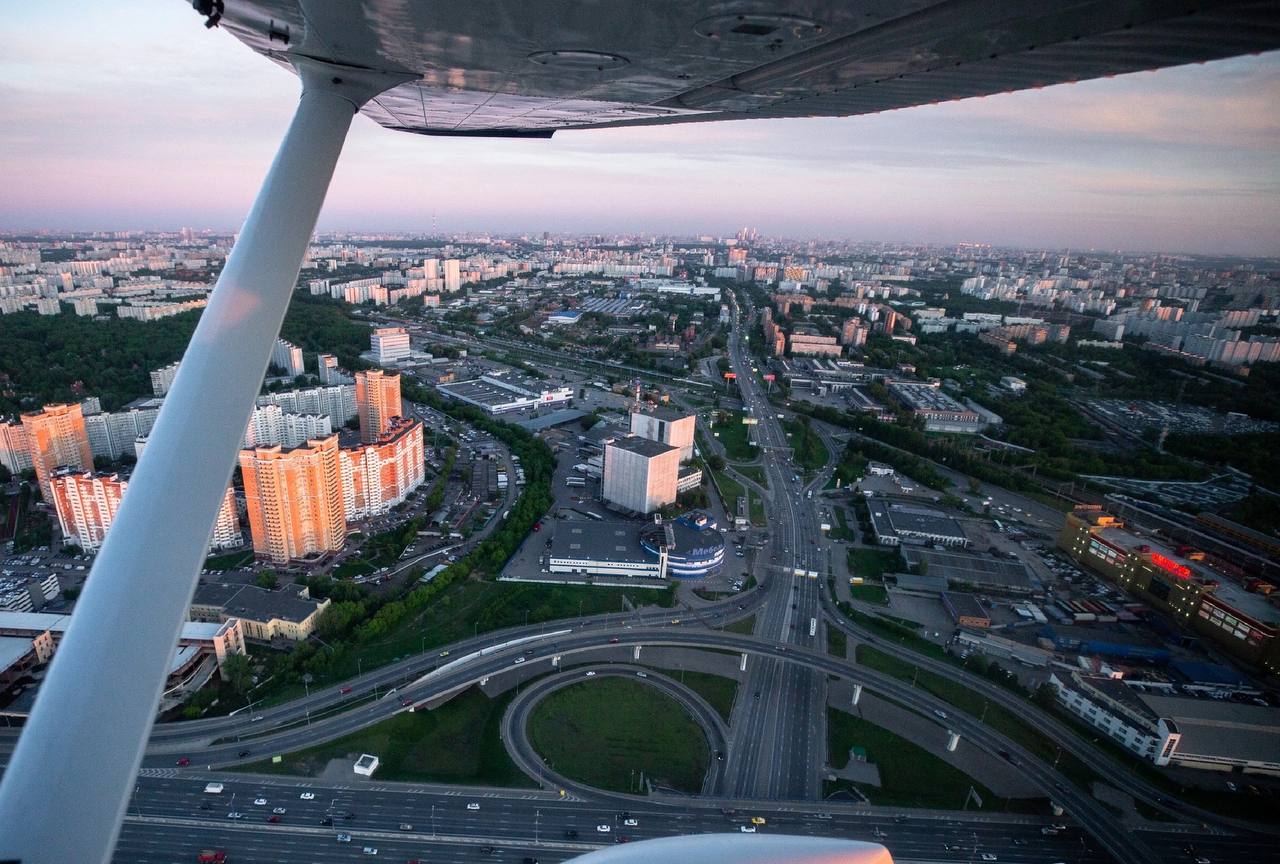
[56, 438]
[162, 379]
[86, 504]
[389, 344]
[226, 531]
[294, 499]
[377, 401]
[452, 275]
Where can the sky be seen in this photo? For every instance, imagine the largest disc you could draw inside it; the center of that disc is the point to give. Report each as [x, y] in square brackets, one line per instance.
[130, 115]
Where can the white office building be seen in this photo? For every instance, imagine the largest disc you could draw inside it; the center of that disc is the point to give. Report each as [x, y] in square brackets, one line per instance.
[452, 275]
[666, 425]
[390, 345]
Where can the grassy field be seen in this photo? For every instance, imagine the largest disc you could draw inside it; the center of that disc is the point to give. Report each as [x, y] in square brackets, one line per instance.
[746, 626]
[458, 742]
[753, 472]
[837, 642]
[910, 776]
[607, 733]
[730, 491]
[841, 530]
[870, 593]
[472, 607]
[975, 704]
[806, 447]
[716, 689]
[874, 563]
[733, 436]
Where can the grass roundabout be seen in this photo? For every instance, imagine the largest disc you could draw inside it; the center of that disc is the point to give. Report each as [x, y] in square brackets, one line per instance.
[611, 732]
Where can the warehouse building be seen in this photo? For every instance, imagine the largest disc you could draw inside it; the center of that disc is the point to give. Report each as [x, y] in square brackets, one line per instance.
[895, 524]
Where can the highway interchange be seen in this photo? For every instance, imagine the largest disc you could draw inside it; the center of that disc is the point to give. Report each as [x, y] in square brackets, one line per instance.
[774, 744]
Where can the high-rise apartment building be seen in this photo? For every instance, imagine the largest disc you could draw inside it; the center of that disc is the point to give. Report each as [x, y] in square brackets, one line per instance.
[13, 447]
[56, 438]
[162, 379]
[377, 401]
[327, 368]
[380, 475]
[666, 425]
[639, 474]
[86, 504]
[389, 344]
[288, 357]
[226, 531]
[452, 275]
[294, 499]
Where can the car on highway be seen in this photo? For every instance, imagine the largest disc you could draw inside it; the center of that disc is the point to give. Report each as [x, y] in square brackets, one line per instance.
[344, 838]
[326, 820]
[345, 690]
[279, 811]
[989, 856]
[571, 834]
[821, 815]
[642, 674]
[757, 820]
[259, 802]
[273, 818]
[406, 702]
[630, 823]
[405, 826]
[940, 713]
[518, 661]
[244, 753]
[370, 850]
[591, 674]
[603, 829]
[747, 829]
[613, 641]
[473, 806]
[183, 762]
[308, 796]
[235, 814]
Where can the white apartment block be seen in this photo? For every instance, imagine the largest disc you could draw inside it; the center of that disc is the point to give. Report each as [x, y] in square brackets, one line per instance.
[162, 379]
[670, 427]
[288, 357]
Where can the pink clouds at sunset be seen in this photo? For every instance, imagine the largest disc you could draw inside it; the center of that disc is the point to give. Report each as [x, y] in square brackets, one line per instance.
[131, 115]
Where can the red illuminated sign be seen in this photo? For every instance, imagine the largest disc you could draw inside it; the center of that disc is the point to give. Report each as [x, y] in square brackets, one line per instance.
[769, 377]
[1182, 572]
[729, 376]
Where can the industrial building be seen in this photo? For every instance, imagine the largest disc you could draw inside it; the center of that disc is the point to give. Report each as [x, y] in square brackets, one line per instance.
[639, 475]
[689, 547]
[996, 575]
[666, 425]
[966, 610]
[501, 392]
[895, 524]
[939, 411]
[1155, 722]
[1244, 624]
[389, 345]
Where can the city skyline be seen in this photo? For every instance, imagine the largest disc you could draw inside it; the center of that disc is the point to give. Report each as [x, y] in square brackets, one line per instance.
[1179, 160]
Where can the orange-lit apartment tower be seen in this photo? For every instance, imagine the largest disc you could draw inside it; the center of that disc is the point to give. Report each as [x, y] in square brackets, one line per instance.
[294, 499]
[56, 438]
[378, 476]
[86, 504]
[377, 401]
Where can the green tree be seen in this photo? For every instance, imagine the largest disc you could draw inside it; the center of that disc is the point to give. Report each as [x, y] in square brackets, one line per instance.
[268, 579]
[237, 671]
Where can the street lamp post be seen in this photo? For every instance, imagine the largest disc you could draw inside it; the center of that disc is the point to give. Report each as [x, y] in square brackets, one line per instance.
[536, 815]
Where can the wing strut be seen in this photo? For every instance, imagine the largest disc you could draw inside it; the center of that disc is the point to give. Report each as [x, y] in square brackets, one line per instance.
[65, 790]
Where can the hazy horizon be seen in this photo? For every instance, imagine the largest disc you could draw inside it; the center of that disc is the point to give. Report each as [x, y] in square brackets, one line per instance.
[140, 119]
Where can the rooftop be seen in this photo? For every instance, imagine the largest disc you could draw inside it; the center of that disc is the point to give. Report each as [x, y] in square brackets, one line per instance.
[613, 540]
[664, 412]
[643, 446]
[974, 569]
[256, 604]
[1223, 729]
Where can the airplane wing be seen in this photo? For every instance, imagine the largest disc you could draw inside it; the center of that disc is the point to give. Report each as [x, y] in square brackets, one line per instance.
[521, 69]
